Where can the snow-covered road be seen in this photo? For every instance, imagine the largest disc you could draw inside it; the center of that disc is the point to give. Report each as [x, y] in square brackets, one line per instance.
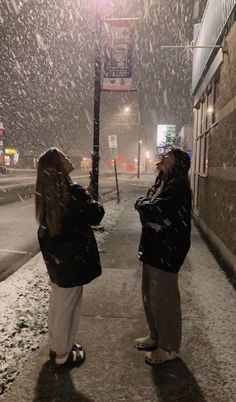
[18, 226]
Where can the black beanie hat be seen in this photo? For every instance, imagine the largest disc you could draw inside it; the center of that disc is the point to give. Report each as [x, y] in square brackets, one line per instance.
[183, 161]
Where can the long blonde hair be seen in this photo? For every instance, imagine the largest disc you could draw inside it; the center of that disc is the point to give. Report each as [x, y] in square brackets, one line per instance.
[51, 195]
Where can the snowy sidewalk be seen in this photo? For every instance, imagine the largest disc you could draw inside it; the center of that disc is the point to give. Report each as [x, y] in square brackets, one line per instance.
[24, 298]
[112, 318]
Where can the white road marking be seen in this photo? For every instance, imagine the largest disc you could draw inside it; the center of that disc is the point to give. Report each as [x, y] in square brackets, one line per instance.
[27, 206]
[5, 250]
[80, 177]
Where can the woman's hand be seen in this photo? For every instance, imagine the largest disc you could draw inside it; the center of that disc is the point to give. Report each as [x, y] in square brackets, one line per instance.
[139, 202]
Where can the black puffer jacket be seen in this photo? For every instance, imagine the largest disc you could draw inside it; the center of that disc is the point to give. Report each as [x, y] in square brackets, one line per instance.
[72, 258]
[166, 226]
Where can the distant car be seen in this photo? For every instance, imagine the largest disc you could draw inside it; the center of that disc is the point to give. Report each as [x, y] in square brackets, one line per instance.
[3, 169]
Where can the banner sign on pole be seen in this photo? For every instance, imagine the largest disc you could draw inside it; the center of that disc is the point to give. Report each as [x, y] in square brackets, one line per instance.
[118, 55]
[1, 143]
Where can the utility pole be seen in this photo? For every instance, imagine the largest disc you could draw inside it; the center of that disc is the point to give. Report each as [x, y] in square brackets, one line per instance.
[139, 143]
[97, 97]
[139, 132]
[139, 127]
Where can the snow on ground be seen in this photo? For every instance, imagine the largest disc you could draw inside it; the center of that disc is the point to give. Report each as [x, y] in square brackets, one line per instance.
[24, 300]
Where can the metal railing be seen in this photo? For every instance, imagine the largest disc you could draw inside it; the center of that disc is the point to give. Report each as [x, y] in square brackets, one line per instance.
[215, 17]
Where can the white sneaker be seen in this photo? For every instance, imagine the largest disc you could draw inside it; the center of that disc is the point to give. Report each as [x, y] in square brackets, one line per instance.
[146, 343]
[159, 356]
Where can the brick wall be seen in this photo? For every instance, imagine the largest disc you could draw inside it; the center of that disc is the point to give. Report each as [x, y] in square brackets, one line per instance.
[217, 191]
[228, 70]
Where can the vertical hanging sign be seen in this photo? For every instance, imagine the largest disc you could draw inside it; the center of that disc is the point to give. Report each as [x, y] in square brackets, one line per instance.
[112, 140]
[1, 143]
[117, 74]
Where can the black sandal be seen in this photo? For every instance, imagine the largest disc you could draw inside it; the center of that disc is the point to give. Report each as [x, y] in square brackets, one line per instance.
[74, 359]
[76, 346]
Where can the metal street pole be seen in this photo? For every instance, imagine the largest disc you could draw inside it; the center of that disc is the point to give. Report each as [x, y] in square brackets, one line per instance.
[117, 184]
[139, 143]
[139, 133]
[97, 97]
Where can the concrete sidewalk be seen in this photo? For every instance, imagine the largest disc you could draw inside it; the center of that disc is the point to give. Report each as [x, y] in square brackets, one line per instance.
[112, 318]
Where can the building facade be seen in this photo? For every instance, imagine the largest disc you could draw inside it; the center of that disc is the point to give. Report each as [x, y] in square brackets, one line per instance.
[184, 138]
[214, 142]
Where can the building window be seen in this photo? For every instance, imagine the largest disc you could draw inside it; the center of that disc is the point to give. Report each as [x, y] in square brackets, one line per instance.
[216, 92]
[202, 131]
[206, 116]
[210, 108]
[204, 142]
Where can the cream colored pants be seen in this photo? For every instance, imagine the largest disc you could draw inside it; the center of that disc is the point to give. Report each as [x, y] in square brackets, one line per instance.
[63, 317]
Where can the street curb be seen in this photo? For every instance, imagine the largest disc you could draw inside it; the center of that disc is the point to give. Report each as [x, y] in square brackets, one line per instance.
[17, 193]
[21, 193]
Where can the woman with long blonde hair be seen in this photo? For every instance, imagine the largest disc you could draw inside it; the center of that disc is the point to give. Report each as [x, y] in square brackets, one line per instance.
[65, 211]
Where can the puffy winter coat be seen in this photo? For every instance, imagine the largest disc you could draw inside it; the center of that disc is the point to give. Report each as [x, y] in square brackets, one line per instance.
[72, 258]
[166, 227]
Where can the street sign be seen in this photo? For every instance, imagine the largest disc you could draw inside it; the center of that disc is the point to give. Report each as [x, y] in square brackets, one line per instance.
[112, 140]
[114, 153]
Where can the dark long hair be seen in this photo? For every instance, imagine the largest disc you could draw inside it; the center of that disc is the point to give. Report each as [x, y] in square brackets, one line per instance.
[180, 170]
[51, 195]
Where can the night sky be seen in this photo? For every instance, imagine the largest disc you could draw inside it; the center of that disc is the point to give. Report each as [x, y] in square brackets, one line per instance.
[47, 69]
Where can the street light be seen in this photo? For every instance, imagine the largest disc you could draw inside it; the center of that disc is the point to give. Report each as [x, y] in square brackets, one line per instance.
[127, 109]
[210, 110]
[147, 156]
[139, 127]
[139, 141]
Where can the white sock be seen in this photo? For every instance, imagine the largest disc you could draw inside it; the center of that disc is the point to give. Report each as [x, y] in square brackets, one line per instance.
[61, 360]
